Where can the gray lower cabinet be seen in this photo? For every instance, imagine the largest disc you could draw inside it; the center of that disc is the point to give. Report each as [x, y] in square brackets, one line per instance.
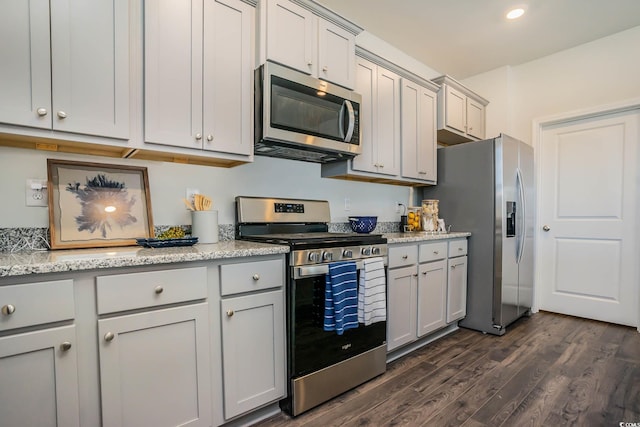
[253, 344]
[38, 362]
[426, 290]
[154, 365]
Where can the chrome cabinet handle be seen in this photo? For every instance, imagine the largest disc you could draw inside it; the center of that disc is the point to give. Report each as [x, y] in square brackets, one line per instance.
[325, 68]
[65, 346]
[198, 136]
[158, 289]
[8, 309]
[209, 137]
[422, 172]
[109, 336]
[42, 111]
[405, 256]
[62, 114]
[436, 252]
[230, 313]
[256, 277]
[546, 228]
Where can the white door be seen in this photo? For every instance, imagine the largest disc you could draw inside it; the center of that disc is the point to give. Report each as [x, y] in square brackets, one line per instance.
[588, 224]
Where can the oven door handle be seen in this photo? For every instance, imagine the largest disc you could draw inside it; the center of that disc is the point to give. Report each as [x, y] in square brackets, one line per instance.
[322, 269]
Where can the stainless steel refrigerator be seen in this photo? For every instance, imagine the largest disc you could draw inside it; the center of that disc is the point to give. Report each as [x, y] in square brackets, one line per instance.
[487, 188]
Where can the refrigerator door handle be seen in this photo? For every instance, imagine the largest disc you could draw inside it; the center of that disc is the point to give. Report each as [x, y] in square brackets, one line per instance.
[523, 209]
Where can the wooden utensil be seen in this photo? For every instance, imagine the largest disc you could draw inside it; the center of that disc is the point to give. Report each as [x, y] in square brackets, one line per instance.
[188, 203]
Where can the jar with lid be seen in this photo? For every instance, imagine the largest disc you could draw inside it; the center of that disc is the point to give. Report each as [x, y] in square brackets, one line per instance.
[414, 215]
[430, 215]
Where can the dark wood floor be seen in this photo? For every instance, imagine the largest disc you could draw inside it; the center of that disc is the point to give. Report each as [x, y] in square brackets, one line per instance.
[548, 370]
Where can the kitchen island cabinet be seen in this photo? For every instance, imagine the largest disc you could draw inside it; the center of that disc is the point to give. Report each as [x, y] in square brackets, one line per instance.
[67, 69]
[426, 292]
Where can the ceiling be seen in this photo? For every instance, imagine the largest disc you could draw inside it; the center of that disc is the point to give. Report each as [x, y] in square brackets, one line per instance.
[467, 37]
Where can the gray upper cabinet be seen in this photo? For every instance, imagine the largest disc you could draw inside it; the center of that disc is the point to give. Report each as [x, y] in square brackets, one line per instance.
[461, 112]
[65, 66]
[302, 35]
[419, 131]
[199, 76]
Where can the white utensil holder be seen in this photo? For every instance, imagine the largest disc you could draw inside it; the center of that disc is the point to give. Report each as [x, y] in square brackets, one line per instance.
[204, 226]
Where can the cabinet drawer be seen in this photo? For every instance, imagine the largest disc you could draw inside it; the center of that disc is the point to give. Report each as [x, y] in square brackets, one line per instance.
[251, 276]
[122, 292]
[403, 255]
[36, 303]
[433, 251]
[457, 247]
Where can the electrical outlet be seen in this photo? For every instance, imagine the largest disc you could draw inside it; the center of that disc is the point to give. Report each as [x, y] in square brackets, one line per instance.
[190, 193]
[347, 204]
[36, 193]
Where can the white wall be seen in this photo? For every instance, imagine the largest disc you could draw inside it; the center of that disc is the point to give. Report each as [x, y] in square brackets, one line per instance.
[168, 182]
[594, 74]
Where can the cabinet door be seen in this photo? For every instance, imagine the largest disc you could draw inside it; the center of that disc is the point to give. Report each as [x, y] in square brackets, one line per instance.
[432, 284]
[253, 351]
[25, 73]
[173, 72]
[228, 76]
[475, 119]
[401, 306]
[154, 368]
[39, 379]
[418, 132]
[387, 137]
[90, 67]
[292, 36]
[336, 54]
[457, 289]
[455, 115]
[366, 86]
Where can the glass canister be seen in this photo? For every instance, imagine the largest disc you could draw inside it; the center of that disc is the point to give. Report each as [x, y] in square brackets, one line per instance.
[430, 215]
[414, 216]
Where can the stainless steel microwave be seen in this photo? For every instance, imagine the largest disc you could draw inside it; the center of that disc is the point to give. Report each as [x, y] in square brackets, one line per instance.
[300, 117]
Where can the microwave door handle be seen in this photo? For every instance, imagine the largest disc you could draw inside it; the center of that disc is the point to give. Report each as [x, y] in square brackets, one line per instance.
[341, 120]
[352, 120]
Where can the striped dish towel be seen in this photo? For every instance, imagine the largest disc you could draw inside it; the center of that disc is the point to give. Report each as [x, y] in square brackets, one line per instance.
[372, 292]
[341, 297]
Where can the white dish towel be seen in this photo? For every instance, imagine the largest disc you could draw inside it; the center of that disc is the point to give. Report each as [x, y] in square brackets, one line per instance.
[372, 292]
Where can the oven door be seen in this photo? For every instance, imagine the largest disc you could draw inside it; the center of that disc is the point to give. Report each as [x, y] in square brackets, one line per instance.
[311, 348]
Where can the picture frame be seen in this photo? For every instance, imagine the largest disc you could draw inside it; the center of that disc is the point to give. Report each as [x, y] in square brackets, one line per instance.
[95, 205]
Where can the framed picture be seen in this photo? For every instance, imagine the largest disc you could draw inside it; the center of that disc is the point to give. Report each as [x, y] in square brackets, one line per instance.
[97, 205]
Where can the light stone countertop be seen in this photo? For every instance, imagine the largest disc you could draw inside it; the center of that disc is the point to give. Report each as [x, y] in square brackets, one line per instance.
[39, 262]
[422, 236]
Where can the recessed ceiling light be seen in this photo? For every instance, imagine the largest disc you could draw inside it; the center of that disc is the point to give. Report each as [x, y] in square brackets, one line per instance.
[515, 13]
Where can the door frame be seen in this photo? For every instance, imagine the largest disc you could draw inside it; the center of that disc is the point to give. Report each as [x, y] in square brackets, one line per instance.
[538, 126]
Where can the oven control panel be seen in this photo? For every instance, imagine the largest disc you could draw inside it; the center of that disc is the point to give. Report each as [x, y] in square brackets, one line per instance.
[289, 207]
[327, 255]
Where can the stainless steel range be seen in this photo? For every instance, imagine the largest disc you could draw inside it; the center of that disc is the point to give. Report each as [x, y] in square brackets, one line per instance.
[320, 364]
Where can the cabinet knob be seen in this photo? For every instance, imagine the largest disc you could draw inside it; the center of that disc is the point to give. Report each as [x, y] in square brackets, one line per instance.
[198, 136]
[109, 336]
[325, 68]
[309, 63]
[42, 112]
[209, 137]
[422, 172]
[546, 228]
[158, 289]
[65, 346]
[460, 249]
[424, 273]
[230, 313]
[415, 275]
[436, 252]
[62, 114]
[8, 309]
[381, 165]
[405, 256]
[453, 267]
[256, 277]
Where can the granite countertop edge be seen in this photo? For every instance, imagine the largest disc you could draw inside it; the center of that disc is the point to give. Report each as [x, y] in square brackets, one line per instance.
[42, 262]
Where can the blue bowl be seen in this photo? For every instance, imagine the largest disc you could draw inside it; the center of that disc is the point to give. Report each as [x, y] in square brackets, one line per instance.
[363, 224]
